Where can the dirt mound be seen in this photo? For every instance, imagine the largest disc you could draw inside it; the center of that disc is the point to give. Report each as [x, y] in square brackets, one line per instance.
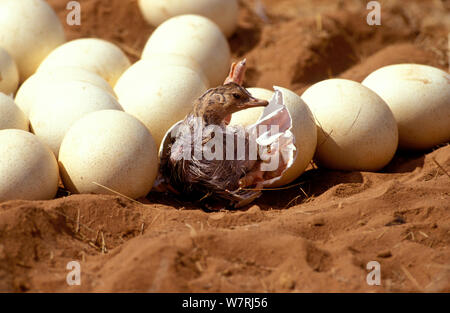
[318, 235]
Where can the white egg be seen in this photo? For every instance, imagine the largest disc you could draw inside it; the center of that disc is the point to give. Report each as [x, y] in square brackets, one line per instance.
[223, 13]
[110, 149]
[92, 54]
[147, 66]
[196, 37]
[44, 80]
[28, 169]
[356, 128]
[54, 112]
[159, 96]
[9, 74]
[30, 30]
[10, 114]
[419, 97]
[303, 129]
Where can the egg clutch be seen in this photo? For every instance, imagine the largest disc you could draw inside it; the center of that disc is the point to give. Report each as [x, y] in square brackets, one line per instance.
[77, 114]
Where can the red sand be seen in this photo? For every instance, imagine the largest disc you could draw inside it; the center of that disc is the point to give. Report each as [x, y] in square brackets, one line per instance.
[317, 236]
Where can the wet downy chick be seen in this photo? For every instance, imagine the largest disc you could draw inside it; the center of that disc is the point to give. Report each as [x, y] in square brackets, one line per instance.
[215, 182]
[217, 105]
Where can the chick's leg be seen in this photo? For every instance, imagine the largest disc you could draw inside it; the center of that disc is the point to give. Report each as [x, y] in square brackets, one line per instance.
[257, 175]
[254, 177]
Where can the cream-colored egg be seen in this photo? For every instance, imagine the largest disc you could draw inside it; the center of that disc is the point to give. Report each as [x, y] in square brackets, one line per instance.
[10, 114]
[223, 13]
[419, 97]
[9, 74]
[28, 169]
[196, 37]
[92, 54]
[356, 128]
[160, 97]
[111, 149]
[30, 30]
[146, 67]
[54, 112]
[303, 129]
[43, 81]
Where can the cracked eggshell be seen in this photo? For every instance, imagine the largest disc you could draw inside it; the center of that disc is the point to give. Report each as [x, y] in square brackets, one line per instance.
[9, 74]
[30, 30]
[92, 54]
[44, 80]
[54, 112]
[223, 13]
[303, 128]
[419, 97]
[356, 128]
[160, 96]
[28, 169]
[195, 37]
[10, 114]
[110, 148]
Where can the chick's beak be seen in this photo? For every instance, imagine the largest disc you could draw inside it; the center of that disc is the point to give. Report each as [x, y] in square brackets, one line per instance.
[254, 102]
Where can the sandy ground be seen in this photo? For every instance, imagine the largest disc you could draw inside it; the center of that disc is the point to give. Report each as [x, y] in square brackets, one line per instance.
[317, 236]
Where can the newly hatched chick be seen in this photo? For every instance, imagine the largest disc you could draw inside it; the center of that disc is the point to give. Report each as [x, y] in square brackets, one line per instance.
[218, 179]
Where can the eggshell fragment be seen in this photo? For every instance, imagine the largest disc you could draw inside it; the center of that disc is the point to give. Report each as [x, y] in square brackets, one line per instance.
[419, 97]
[223, 13]
[53, 113]
[30, 30]
[303, 129]
[28, 169]
[43, 81]
[9, 74]
[92, 54]
[195, 37]
[111, 149]
[356, 128]
[159, 96]
[10, 114]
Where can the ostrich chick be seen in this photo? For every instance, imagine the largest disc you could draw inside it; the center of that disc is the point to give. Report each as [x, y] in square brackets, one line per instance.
[220, 180]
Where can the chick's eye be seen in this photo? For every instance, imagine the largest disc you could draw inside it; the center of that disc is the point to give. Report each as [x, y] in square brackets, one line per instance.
[236, 96]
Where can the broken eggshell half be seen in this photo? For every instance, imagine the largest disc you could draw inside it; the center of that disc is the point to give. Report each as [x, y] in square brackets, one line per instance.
[274, 140]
